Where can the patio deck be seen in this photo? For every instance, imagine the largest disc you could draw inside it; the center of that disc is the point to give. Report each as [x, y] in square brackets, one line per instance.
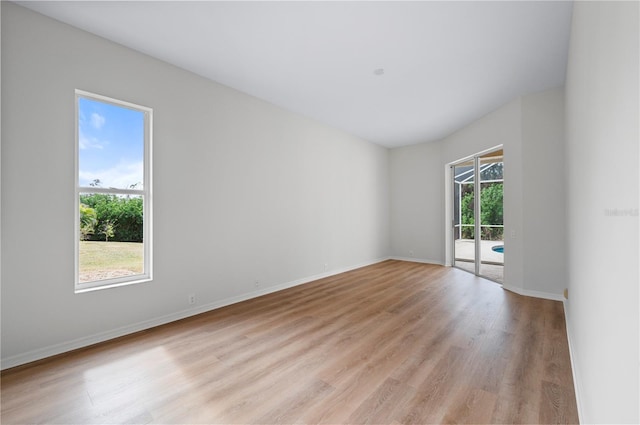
[492, 265]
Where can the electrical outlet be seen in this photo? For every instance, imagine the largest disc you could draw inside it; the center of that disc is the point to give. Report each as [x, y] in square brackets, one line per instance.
[192, 299]
[410, 253]
[326, 267]
[257, 283]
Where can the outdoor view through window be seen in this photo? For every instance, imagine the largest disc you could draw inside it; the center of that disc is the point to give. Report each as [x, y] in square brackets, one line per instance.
[112, 191]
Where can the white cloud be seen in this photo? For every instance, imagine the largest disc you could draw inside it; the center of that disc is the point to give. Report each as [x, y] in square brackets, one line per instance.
[97, 120]
[85, 142]
[122, 176]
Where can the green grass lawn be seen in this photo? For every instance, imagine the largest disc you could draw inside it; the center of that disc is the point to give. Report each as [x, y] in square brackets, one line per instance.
[105, 260]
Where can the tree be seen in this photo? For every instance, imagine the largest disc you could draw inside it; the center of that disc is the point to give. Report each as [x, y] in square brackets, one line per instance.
[124, 212]
[467, 210]
[88, 221]
[129, 216]
[108, 229]
[491, 211]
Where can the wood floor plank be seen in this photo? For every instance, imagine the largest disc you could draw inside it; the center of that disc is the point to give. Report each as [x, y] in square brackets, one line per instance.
[556, 405]
[384, 404]
[519, 395]
[392, 343]
[429, 404]
[470, 406]
[290, 408]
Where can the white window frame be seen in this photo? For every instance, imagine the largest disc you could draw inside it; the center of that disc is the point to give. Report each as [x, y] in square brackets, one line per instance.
[146, 275]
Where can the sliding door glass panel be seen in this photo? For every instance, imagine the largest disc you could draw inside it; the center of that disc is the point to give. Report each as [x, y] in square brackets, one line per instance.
[464, 252]
[491, 216]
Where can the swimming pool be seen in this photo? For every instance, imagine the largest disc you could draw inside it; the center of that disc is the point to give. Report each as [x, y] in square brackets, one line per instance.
[498, 248]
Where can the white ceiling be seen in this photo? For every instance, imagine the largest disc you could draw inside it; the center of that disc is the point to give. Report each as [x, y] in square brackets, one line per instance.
[445, 63]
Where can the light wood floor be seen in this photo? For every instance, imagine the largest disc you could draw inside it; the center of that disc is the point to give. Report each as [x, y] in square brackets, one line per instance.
[392, 343]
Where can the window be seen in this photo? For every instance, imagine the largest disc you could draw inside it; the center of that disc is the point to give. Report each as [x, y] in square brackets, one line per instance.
[113, 192]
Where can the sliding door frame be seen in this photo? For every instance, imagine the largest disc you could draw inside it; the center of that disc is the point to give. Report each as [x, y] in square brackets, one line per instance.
[450, 213]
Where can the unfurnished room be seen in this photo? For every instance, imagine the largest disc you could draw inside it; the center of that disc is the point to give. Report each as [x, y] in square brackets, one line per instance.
[381, 212]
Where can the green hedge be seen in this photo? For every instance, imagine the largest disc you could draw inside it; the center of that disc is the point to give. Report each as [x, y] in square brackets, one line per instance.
[125, 213]
[491, 211]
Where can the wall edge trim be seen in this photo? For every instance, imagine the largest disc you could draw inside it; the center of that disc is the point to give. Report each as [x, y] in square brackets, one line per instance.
[572, 359]
[417, 260]
[535, 294]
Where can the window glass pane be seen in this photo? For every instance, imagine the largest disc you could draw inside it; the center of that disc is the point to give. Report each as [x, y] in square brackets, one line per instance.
[111, 236]
[464, 173]
[491, 171]
[110, 145]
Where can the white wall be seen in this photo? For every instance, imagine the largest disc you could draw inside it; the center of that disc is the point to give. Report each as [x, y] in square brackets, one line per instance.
[531, 130]
[417, 199]
[602, 210]
[543, 192]
[243, 191]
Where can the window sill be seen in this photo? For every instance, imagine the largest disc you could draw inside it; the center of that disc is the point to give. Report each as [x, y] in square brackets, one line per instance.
[142, 279]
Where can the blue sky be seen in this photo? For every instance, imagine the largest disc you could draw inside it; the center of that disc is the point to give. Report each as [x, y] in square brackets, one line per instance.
[111, 144]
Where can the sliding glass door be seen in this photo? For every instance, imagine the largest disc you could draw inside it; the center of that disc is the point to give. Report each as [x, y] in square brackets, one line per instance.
[464, 230]
[491, 216]
[478, 215]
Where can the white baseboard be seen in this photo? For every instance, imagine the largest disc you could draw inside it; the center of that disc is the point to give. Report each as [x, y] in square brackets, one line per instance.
[417, 260]
[574, 370]
[535, 294]
[75, 344]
